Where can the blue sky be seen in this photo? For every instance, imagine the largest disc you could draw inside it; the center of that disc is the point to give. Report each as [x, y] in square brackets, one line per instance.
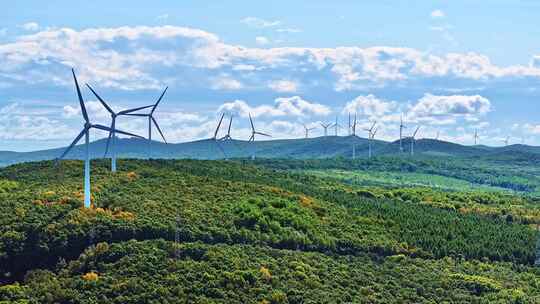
[450, 66]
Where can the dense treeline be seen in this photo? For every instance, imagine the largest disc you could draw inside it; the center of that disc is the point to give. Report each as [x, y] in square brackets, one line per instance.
[233, 204]
[160, 272]
[516, 177]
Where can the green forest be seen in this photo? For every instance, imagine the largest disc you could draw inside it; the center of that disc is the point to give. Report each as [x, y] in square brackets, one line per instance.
[386, 230]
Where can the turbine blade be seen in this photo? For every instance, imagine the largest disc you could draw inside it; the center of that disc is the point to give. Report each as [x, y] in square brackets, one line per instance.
[100, 99]
[105, 128]
[124, 112]
[219, 125]
[230, 124]
[108, 142]
[159, 129]
[75, 141]
[263, 134]
[81, 101]
[138, 115]
[251, 121]
[159, 100]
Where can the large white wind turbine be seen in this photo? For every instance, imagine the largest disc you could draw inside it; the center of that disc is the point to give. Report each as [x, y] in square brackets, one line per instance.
[151, 119]
[112, 134]
[413, 139]
[253, 133]
[86, 133]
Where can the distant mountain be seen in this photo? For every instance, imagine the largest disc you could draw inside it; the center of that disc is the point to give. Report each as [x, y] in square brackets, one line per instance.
[318, 147]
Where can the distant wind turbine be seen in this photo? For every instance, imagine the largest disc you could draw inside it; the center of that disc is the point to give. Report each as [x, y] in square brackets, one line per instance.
[336, 126]
[214, 138]
[86, 133]
[253, 133]
[353, 128]
[413, 139]
[437, 136]
[112, 136]
[306, 130]
[152, 120]
[401, 127]
[325, 126]
[506, 140]
[371, 135]
[476, 137]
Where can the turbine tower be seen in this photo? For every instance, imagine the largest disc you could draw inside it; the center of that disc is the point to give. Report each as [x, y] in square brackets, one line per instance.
[306, 130]
[86, 133]
[476, 137]
[506, 140]
[412, 139]
[401, 127]
[336, 126]
[371, 135]
[353, 128]
[112, 134]
[325, 127]
[349, 128]
[228, 135]
[438, 133]
[152, 120]
[253, 133]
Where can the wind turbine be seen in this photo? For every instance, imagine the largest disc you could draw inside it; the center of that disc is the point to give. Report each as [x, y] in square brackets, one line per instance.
[325, 127]
[437, 136]
[112, 136]
[506, 140]
[336, 126]
[476, 137]
[152, 120]
[371, 135]
[252, 138]
[401, 127]
[349, 129]
[412, 139]
[306, 130]
[86, 133]
[228, 135]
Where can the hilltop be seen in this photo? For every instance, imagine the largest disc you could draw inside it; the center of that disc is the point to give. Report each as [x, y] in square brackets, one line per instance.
[310, 148]
[261, 232]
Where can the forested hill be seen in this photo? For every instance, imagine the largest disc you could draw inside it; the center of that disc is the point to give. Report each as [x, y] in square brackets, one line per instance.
[319, 147]
[192, 231]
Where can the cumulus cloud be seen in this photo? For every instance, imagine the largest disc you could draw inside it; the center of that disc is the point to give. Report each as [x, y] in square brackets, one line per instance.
[461, 105]
[261, 40]
[437, 14]
[284, 106]
[133, 58]
[283, 86]
[259, 22]
[30, 26]
[225, 83]
[369, 106]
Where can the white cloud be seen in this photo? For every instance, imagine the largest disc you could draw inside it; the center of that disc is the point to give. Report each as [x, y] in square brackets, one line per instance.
[163, 18]
[369, 106]
[283, 86]
[284, 106]
[453, 105]
[225, 83]
[532, 129]
[259, 23]
[437, 14]
[30, 26]
[261, 40]
[132, 58]
[288, 30]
